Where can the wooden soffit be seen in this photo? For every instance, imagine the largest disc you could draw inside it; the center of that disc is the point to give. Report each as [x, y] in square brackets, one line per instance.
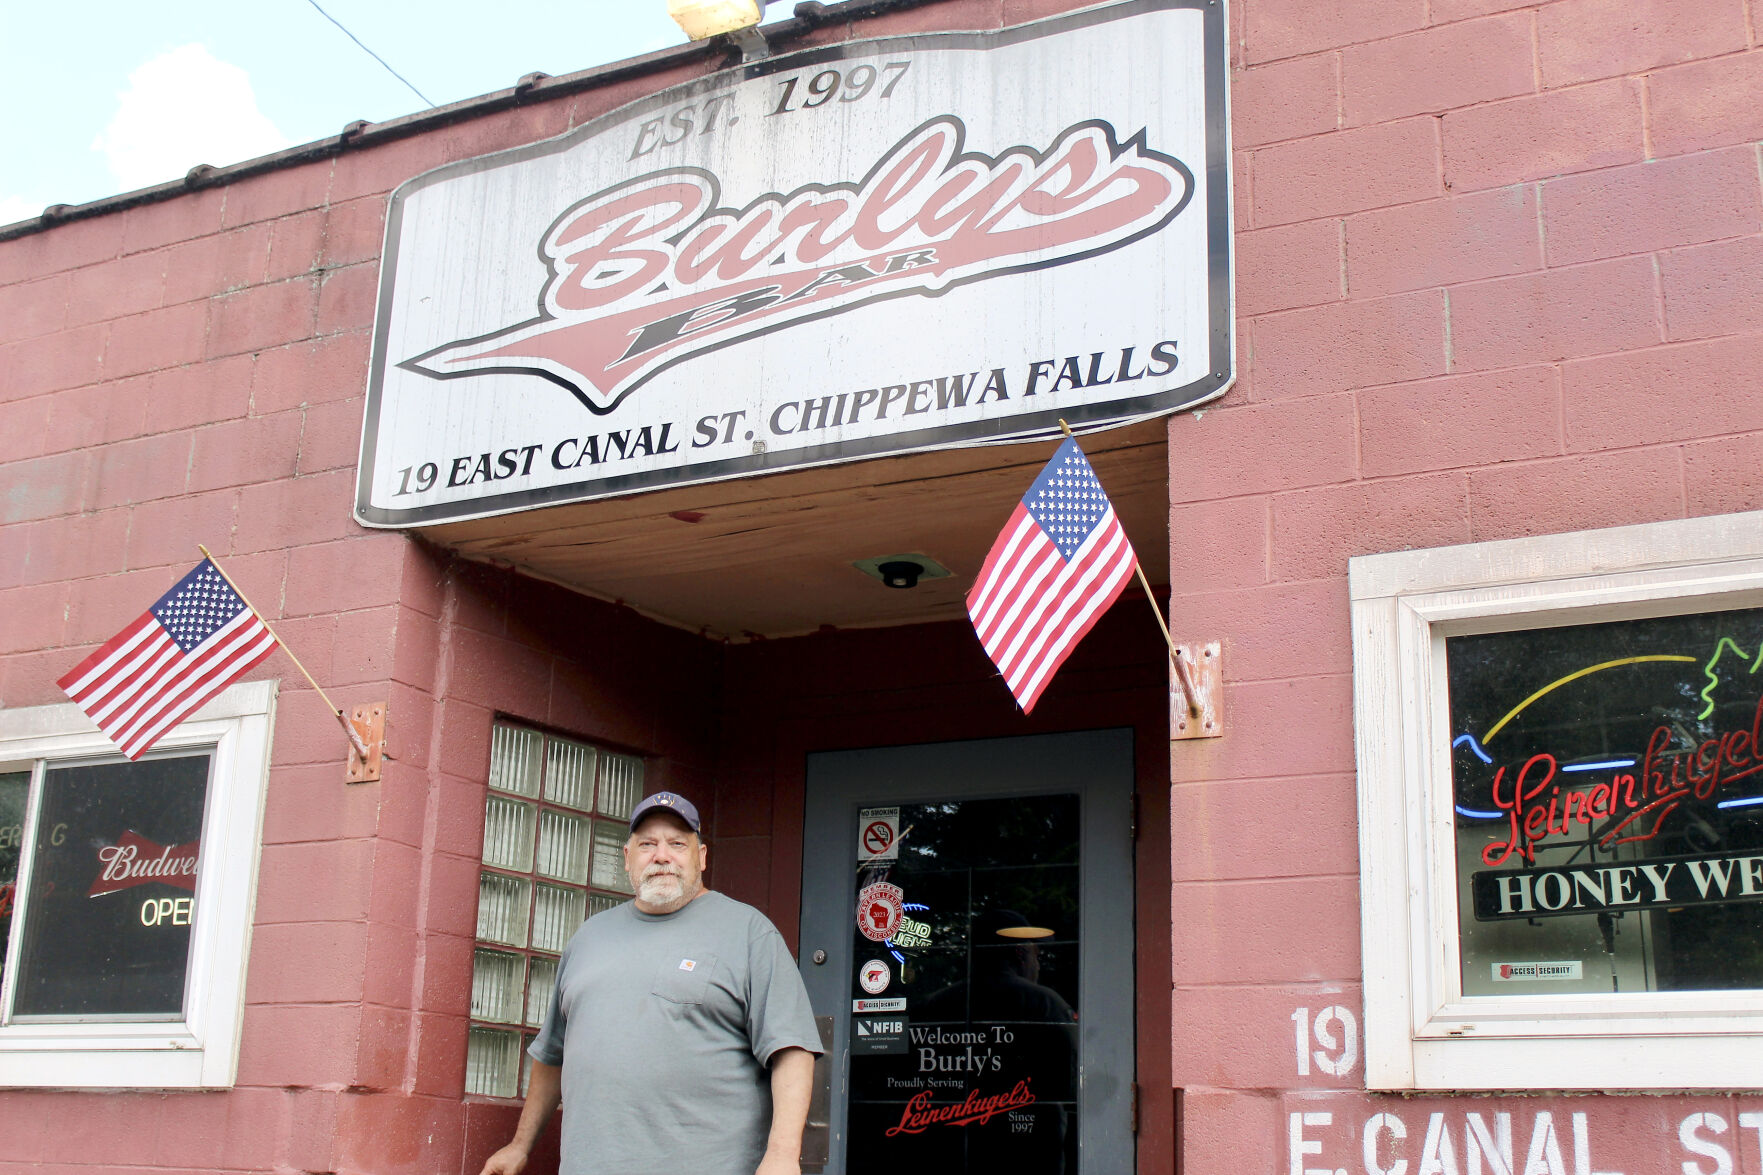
[773, 556]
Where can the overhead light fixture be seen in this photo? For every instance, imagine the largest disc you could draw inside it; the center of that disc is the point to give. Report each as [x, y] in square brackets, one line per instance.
[709, 18]
[1025, 932]
[902, 571]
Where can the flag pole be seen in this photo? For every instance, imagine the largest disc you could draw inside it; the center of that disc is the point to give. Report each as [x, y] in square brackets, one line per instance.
[1181, 669]
[348, 727]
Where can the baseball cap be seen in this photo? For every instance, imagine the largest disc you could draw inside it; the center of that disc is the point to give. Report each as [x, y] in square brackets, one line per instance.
[667, 801]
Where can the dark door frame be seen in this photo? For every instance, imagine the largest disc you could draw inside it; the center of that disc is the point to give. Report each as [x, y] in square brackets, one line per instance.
[1097, 765]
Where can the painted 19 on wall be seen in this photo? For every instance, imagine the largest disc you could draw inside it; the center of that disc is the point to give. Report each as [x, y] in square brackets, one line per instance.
[1341, 1131]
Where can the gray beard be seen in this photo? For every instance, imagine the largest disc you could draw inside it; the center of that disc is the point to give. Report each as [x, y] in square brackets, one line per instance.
[665, 892]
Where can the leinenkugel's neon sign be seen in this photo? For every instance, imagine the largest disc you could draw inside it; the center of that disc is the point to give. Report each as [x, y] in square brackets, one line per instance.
[1620, 796]
[862, 249]
[1534, 806]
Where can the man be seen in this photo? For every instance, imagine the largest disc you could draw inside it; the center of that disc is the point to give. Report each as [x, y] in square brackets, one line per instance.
[680, 1035]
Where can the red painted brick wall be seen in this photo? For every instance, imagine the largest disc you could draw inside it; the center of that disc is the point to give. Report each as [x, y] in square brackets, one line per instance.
[1499, 274]
[193, 371]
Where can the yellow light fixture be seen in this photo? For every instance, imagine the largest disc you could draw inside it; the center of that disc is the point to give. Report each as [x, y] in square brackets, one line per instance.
[709, 18]
[1025, 932]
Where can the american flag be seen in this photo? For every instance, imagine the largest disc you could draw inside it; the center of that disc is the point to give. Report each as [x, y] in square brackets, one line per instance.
[199, 638]
[1061, 560]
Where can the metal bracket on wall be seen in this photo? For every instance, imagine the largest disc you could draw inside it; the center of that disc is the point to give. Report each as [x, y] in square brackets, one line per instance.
[1201, 667]
[369, 722]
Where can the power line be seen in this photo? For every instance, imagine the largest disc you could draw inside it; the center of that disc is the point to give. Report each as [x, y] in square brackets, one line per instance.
[371, 53]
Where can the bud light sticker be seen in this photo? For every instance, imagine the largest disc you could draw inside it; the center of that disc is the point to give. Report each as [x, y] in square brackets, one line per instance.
[879, 910]
[720, 279]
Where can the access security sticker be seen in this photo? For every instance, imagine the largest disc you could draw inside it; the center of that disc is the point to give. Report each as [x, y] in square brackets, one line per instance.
[891, 1004]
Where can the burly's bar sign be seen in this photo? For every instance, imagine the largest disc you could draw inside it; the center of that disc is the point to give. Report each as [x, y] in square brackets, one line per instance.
[871, 248]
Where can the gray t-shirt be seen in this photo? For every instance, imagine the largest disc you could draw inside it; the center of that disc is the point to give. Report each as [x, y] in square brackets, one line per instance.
[664, 1025]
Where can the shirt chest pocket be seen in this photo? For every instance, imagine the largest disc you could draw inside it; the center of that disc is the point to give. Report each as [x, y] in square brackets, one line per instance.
[684, 981]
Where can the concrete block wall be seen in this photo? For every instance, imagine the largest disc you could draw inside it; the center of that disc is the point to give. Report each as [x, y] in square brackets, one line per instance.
[193, 371]
[1498, 274]
[487, 643]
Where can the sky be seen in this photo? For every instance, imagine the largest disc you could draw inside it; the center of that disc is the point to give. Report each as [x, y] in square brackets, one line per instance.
[111, 95]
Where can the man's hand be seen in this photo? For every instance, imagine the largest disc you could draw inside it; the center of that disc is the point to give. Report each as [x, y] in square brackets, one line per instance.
[778, 1165]
[510, 1160]
[544, 1091]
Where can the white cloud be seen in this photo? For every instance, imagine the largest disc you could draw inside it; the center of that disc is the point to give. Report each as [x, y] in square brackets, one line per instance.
[17, 208]
[182, 108]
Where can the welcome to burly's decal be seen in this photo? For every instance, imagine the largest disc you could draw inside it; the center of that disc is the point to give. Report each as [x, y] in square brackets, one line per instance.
[871, 248]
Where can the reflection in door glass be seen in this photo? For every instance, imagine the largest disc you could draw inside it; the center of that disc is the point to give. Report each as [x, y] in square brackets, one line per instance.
[964, 987]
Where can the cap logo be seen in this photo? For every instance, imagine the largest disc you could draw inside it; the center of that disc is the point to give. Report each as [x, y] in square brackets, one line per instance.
[678, 805]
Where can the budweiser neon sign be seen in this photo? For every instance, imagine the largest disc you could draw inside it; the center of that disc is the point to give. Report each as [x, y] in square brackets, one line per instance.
[135, 860]
[654, 271]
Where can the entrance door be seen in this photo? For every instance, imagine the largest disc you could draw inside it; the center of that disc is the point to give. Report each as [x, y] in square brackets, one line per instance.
[967, 926]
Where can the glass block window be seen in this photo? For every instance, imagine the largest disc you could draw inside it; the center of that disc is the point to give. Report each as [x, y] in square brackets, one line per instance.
[555, 822]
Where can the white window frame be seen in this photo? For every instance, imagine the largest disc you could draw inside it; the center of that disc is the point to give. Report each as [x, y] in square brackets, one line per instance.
[1420, 1032]
[200, 1051]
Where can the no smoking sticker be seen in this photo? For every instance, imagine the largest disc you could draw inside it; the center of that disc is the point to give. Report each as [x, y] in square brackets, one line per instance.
[878, 834]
